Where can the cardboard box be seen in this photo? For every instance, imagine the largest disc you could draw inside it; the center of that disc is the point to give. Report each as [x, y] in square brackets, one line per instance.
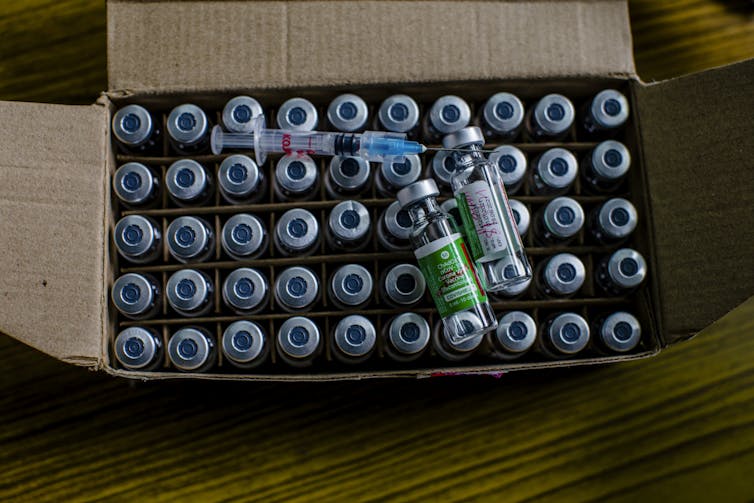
[693, 138]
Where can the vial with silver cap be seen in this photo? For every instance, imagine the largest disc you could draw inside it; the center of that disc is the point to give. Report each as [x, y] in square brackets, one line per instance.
[554, 172]
[402, 285]
[190, 292]
[351, 286]
[502, 116]
[515, 335]
[606, 112]
[298, 341]
[550, 119]
[190, 239]
[296, 178]
[521, 215]
[618, 332]
[188, 183]
[511, 164]
[354, 339]
[452, 351]
[398, 113]
[561, 275]
[559, 222]
[613, 221]
[347, 177]
[490, 229]
[348, 226]
[441, 169]
[192, 349]
[245, 290]
[136, 296]
[298, 114]
[393, 175]
[138, 348]
[137, 239]
[296, 233]
[239, 112]
[621, 273]
[296, 288]
[407, 337]
[563, 335]
[394, 228]
[244, 237]
[605, 167]
[244, 344]
[188, 129]
[347, 113]
[240, 180]
[136, 131]
[444, 261]
[447, 115]
[135, 185]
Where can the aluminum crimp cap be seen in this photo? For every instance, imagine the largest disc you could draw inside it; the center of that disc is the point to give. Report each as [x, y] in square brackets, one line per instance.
[565, 273]
[298, 114]
[132, 125]
[134, 236]
[449, 114]
[187, 124]
[620, 332]
[297, 229]
[298, 337]
[187, 290]
[296, 287]
[402, 173]
[242, 235]
[399, 113]
[405, 284]
[355, 335]
[349, 220]
[136, 347]
[416, 192]
[243, 341]
[521, 215]
[618, 217]
[627, 268]
[133, 183]
[244, 289]
[511, 163]
[564, 217]
[239, 111]
[611, 160]
[348, 112]
[133, 294]
[569, 333]
[296, 173]
[609, 108]
[238, 175]
[503, 112]
[471, 135]
[557, 167]
[352, 284]
[189, 348]
[409, 333]
[349, 172]
[516, 331]
[188, 237]
[554, 114]
[186, 179]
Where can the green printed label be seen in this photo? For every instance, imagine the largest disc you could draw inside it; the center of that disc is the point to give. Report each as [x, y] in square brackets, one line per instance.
[450, 278]
[468, 226]
[479, 205]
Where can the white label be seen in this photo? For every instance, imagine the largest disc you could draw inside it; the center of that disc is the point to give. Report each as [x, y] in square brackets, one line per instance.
[482, 208]
[435, 245]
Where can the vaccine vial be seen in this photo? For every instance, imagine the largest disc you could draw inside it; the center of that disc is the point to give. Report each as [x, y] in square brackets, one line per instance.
[441, 169]
[554, 172]
[354, 339]
[347, 177]
[450, 207]
[137, 238]
[394, 228]
[298, 114]
[238, 112]
[136, 131]
[447, 115]
[402, 285]
[399, 114]
[135, 185]
[605, 167]
[515, 335]
[138, 348]
[244, 344]
[561, 275]
[444, 261]
[296, 178]
[502, 116]
[452, 351]
[407, 337]
[351, 286]
[348, 226]
[347, 113]
[550, 119]
[188, 183]
[188, 129]
[513, 291]
[240, 180]
[490, 229]
[511, 164]
[613, 221]
[136, 296]
[244, 237]
[296, 233]
[622, 272]
[559, 222]
[607, 111]
[563, 335]
[521, 215]
[192, 349]
[190, 292]
[190, 239]
[245, 291]
[618, 332]
[298, 341]
[394, 175]
[296, 288]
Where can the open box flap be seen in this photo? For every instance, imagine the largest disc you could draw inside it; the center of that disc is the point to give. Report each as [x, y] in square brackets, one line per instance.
[698, 139]
[52, 186]
[171, 46]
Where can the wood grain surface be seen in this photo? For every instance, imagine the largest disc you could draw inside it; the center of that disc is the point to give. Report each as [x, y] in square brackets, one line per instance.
[678, 427]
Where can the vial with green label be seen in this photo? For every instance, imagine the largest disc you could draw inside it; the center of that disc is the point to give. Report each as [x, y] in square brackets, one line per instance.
[446, 265]
[491, 229]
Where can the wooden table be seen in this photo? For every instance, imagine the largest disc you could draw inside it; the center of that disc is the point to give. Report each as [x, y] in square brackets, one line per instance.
[676, 427]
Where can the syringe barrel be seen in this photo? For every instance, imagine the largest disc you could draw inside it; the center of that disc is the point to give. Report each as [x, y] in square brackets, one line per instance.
[297, 142]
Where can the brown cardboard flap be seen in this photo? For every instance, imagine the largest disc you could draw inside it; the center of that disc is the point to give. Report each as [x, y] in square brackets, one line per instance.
[169, 46]
[698, 137]
[52, 183]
